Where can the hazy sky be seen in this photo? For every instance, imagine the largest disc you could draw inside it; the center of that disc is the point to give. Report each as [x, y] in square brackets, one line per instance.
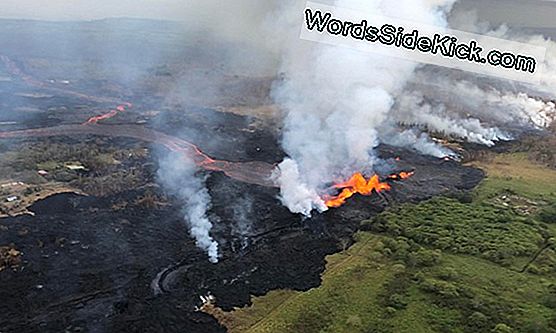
[93, 9]
[520, 12]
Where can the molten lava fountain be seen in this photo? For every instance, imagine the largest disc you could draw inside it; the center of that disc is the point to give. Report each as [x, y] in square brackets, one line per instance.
[357, 184]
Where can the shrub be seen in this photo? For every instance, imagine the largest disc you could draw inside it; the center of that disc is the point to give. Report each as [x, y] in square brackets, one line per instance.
[502, 328]
[390, 311]
[424, 258]
[448, 273]
[397, 301]
[439, 287]
[477, 229]
[548, 214]
[478, 320]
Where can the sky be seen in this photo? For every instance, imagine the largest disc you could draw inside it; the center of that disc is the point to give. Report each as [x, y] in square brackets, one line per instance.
[519, 13]
[531, 13]
[55, 10]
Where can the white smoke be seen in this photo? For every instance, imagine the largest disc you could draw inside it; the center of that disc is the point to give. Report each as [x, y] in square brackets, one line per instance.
[491, 103]
[539, 113]
[177, 174]
[294, 193]
[242, 212]
[471, 107]
[335, 100]
[419, 141]
[474, 108]
[413, 110]
[339, 104]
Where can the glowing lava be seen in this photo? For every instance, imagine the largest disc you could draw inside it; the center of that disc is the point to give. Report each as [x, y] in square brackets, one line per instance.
[112, 113]
[402, 175]
[357, 184]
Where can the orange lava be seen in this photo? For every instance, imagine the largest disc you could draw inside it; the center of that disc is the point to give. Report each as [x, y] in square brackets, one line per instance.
[112, 113]
[401, 176]
[357, 184]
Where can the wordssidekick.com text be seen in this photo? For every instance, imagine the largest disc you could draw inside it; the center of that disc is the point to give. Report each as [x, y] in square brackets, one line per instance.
[447, 46]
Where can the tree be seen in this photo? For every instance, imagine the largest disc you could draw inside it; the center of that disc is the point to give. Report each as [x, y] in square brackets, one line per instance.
[397, 301]
[344, 243]
[548, 214]
[477, 319]
[424, 257]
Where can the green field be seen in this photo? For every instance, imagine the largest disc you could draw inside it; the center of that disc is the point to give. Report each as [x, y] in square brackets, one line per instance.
[483, 262]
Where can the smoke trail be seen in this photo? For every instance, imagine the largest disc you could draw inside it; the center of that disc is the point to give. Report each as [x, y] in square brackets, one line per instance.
[419, 141]
[478, 109]
[335, 101]
[482, 111]
[413, 110]
[178, 175]
[242, 213]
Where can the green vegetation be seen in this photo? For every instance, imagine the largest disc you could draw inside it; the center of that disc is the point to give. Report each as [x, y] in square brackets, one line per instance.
[484, 262]
[514, 173]
[477, 229]
[94, 166]
[548, 214]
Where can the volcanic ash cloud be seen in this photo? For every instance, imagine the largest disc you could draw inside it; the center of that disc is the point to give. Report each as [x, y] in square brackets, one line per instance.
[178, 174]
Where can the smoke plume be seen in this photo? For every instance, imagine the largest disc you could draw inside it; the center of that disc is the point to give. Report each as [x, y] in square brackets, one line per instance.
[178, 175]
[242, 213]
[479, 109]
[413, 110]
[336, 100]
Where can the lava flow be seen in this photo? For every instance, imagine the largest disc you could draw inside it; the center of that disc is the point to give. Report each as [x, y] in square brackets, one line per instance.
[401, 176]
[357, 184]
[112, 113]
[254, 172]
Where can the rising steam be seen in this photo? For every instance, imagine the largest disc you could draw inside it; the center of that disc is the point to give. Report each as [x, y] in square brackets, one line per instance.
[413, 110]
[336, 101]
[340, 104]
[178, 175]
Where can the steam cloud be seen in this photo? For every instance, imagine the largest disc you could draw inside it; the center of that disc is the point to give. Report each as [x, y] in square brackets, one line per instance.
[336, 101]
[242, 212]
[340, 104]
[413, 110]
[475, 108]
[178, 175]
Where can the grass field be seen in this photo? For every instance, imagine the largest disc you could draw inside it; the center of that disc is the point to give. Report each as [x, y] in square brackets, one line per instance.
[480, 264]
[516, 173]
